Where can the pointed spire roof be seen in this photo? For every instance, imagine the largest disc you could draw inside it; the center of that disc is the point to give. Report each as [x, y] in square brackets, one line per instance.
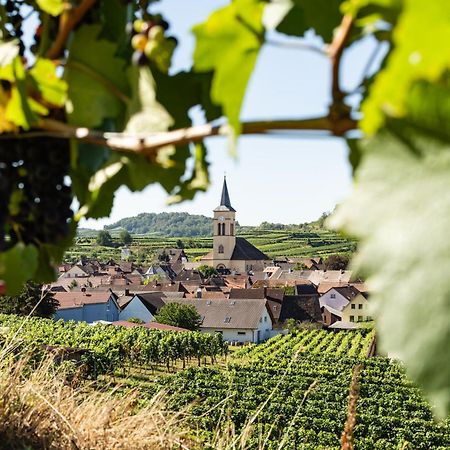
[225, 203]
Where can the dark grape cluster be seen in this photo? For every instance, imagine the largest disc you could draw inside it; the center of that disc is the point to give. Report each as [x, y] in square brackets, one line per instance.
[150, 43]
[14, 22]
[34, 199]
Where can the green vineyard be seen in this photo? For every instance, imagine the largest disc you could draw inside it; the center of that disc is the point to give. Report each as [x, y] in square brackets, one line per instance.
[290, 392]
[272, 242]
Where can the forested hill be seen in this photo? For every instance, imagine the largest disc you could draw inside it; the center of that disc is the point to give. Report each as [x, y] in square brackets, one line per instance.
[174, 224]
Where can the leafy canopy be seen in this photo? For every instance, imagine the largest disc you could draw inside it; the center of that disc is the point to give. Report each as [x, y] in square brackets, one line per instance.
[177, 315]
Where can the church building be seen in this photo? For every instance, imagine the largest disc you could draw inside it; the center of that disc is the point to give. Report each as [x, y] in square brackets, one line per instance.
[231, 252]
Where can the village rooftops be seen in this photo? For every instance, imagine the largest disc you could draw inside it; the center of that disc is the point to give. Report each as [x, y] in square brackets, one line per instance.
[219, 313]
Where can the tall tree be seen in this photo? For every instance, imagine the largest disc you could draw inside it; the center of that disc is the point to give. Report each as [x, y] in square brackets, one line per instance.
[32, 300]
[125, 237]
[177, 315]
[104, 239]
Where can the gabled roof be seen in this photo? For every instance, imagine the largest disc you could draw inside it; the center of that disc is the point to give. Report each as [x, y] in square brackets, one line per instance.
[225, 204]
[69, 300]
[243, 250]
[220, 313]
[349, 292]
[153, 301]
[303, 309]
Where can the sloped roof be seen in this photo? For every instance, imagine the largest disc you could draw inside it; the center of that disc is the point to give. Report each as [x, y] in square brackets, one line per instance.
[267, 293]
[153, 301]
[303, 309]
[349, 292]
[221, 313]
[306, 289]
[78, 299]
[243, 250]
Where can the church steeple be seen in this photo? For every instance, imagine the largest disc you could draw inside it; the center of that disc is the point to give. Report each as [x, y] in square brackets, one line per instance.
[225, 198]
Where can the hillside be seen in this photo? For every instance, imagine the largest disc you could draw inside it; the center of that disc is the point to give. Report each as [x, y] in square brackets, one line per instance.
[174, 224]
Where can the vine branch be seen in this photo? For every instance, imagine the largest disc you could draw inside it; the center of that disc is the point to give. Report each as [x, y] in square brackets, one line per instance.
[67, 21]
[147, 144]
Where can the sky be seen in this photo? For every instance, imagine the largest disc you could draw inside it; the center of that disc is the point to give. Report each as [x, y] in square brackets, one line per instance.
[283, 179]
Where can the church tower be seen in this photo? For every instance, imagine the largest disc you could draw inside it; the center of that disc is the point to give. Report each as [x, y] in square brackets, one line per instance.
[224, 229]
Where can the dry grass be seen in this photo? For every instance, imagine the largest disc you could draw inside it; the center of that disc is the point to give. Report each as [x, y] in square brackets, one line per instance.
[39, 410]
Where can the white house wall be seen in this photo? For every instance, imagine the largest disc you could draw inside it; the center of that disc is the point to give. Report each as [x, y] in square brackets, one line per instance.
[339, 302]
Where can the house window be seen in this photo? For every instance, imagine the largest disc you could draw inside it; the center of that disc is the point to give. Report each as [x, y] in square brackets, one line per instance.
[265, 318]
[360, 318]
[219, 229]
[242, 333]
[223, 229]
[360, 306]
[332, 295]
[232, 229]
[227, 320]
[352, 318]
[353, 306]
[220, 248]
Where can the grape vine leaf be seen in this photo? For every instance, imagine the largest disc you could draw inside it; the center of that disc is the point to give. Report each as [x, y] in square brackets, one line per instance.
[307, 14]
[400, 211]
[228, 43]
[96, 78]
[53, 7]
[18, 265]
[52, 89]
[416, 55]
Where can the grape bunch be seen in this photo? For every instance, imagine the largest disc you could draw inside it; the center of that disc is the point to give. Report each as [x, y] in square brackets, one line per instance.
[34, 199]
[13, 22]
[150, 43]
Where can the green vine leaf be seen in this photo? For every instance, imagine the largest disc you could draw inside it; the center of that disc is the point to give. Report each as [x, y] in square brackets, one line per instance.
[96, 78]
[400, 211]
[416, 55]
[228, 43]
[53, 7]
[17, 266]
[52, 89]
[307, 14]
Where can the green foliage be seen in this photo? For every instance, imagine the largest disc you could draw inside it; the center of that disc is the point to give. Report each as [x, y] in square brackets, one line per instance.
[33, 300]
[125, 237]
[207, 271]
[135, 320]
[104, 238]
[228, 43]
[337, 262]
[113, 348]
[183, 316]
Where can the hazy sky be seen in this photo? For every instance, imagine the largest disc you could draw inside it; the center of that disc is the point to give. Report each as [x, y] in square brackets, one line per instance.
[287, 179]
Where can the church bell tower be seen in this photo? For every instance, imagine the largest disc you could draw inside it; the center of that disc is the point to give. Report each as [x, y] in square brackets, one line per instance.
[224, 230]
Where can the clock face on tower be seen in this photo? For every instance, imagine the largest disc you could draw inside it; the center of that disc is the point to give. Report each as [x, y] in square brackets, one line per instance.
[221, 218]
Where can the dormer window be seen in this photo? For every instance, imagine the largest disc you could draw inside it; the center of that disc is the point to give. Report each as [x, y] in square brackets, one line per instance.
[227, 319]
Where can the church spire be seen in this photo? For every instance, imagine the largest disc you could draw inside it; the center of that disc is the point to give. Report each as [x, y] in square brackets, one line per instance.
[225, 199]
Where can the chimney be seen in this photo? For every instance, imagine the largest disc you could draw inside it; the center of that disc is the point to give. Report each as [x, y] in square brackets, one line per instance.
[127, 291]
[199, 293]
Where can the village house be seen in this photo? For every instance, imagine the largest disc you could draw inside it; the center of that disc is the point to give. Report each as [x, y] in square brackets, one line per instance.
[344, 304]
[142, 306]
[87, 306]
[242, 321]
